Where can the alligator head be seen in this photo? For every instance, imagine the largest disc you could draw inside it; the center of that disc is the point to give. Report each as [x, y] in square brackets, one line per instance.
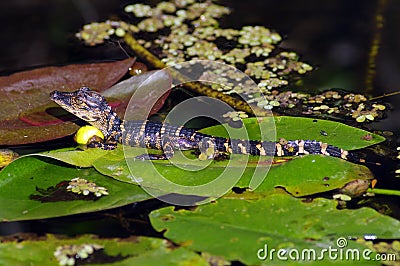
[89, 106]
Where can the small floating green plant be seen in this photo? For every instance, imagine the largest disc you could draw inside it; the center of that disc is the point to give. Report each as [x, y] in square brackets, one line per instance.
[173, 32]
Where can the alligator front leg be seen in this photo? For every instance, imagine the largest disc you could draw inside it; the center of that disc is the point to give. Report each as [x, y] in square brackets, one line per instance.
[167, 148]
[96, 142]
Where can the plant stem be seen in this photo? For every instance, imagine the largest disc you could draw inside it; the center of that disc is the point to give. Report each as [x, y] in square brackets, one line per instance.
[196, 87]
[381, 191]
[375, 44]
[384, 95]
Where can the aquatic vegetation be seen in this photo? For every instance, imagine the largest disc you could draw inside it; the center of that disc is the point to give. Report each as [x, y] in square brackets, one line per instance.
[70, 254]
[82, 186]
[309, 202]
[178, 31]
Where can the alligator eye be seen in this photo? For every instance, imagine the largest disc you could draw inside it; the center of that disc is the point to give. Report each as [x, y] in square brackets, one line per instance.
[91, 104]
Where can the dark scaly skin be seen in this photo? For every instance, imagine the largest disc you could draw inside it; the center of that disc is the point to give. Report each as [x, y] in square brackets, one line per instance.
[93, 108]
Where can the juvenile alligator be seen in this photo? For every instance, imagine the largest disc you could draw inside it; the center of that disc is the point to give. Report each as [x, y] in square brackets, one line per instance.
[93, 108]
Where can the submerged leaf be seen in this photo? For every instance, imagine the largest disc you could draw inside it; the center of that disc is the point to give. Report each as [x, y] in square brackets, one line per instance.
[24, 98]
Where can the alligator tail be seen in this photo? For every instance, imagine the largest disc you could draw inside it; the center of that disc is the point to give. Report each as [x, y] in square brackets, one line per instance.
[284, 148]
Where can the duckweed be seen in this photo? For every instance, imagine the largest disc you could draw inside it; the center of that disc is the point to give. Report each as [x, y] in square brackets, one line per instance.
[188, 29]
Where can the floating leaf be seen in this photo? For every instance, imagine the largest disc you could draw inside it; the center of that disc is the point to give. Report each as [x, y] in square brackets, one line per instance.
[35, 188]
[238, 228]
[303, 176]
[75, 157]
[134, 251]
[310, 175]
[292, 128]
[24, 98]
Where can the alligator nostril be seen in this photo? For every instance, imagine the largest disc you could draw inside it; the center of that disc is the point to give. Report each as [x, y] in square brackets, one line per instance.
[53, 95]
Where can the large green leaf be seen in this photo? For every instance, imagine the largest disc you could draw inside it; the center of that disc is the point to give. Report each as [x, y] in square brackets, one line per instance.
[75, 157]
[236, 228]
[133, 251]
[30, 188]
[292, 128]
[310, 175]
[302, 176]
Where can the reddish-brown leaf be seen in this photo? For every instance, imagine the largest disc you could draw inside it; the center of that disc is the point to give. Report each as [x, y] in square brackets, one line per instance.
[149, 91]
[24, 98]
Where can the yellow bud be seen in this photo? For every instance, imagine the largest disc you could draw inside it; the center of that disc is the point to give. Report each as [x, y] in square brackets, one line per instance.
[85, 133]
[6, 157]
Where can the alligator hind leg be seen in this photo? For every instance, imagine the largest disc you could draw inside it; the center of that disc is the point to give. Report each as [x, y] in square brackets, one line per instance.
[221, 156]
[167, 148]
[152, 156]
[207, 149]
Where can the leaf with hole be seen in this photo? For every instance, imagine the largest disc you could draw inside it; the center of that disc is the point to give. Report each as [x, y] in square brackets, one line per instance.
[237, 229]
[34, 187]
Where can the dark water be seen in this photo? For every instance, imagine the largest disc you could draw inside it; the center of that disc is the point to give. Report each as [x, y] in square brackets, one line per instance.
[334, 35]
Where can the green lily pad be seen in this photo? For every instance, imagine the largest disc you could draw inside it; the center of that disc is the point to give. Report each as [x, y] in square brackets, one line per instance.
[237, 229]
[35, 188]
[133, 251]
[292, 128]
[75, 157]
[309, 175]
[303, 176]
